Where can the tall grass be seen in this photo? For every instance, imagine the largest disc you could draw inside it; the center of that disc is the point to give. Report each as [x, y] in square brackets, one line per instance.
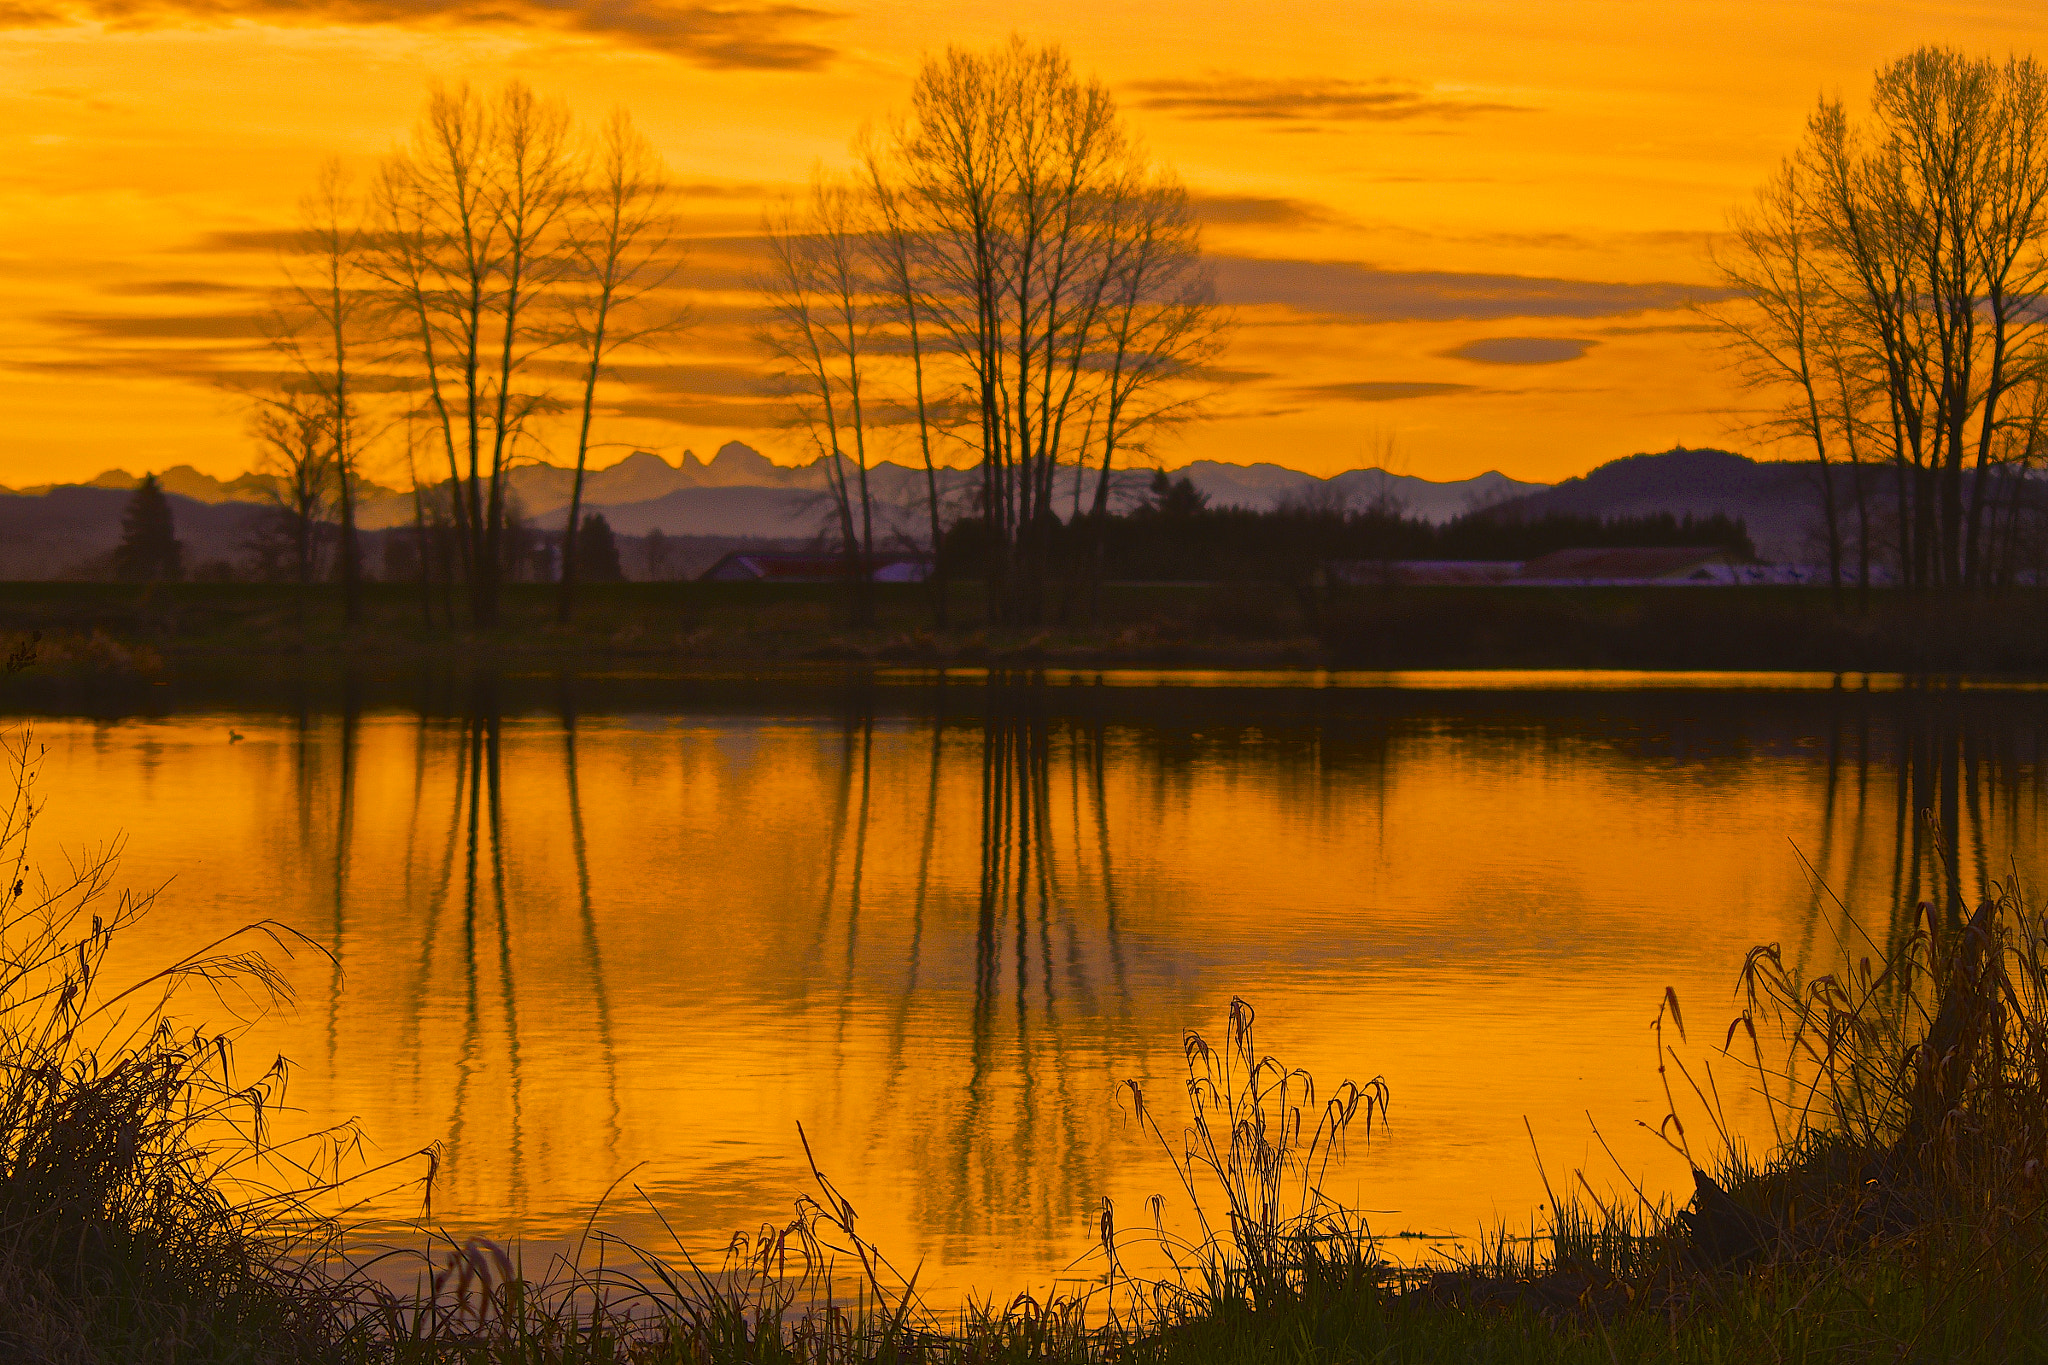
[145, 1211]
[1251, 1158]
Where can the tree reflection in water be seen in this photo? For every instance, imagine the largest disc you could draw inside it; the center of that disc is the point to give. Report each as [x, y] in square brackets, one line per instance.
[573, 934]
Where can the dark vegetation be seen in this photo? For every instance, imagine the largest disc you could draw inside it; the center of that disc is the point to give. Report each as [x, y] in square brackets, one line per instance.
[134, 1223]
[1684, 628]
[1175, 536]
[149, 551]
[117, 635]
[597, 551]
[1172, 535]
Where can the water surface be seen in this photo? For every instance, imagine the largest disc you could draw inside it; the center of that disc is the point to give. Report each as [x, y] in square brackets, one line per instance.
[583, 929]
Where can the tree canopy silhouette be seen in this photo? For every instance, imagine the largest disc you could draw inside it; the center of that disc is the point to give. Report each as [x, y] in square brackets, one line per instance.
[1885, 296]
[596, 551]
[149, 551]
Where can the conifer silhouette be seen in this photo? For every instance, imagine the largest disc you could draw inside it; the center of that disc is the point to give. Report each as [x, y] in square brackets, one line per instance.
[149, 551]
[597, 551]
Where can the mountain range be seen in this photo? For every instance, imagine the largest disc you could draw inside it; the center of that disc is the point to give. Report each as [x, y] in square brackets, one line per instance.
[740, 491]
[740, 495]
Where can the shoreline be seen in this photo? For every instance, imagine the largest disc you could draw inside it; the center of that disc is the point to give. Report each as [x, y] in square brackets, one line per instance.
[115, 634]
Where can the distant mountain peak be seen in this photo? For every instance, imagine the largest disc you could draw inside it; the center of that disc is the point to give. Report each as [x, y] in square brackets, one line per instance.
[643, 459]
[735, 463]
[740, 453]
[182, 480]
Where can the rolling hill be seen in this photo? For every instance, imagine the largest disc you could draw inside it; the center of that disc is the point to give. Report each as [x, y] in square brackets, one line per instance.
[1780, 500]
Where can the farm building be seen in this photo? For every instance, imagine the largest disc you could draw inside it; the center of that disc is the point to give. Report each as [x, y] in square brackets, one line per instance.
[1655, 566]
[743, 566]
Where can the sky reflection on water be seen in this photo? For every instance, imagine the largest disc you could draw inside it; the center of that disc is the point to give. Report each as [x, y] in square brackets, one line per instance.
[574, 940]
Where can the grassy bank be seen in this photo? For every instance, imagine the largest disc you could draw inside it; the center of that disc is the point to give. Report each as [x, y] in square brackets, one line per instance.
[167, 630]
[148, 1211]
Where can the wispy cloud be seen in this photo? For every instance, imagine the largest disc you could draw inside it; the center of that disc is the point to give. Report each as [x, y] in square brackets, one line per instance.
[1379, 391]
[1521, 350]
[770, 37]
[267, 241]
[1351, 290]
[702, 380]
[148, 289]
[1246, 210]
[188, 364]
[1655, 329]
[1225, 95]
[705, 412]
[174, 327]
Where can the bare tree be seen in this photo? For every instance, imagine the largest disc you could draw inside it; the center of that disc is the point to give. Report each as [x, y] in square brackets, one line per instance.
[1781, 331]
[1160, 328]
[823, 317]
[624, 245]
[1851, 393]
[322, 329]
[897, 247]
[1027, 203]
[1932, 222]
[1887, 284]
[536, 182]
[470, 234]
[296, 454]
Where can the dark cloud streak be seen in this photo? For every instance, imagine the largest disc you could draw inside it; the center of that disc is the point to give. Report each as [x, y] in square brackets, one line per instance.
[1380, 391]
[1222, 95]
[186, 327]
[1521, 350]
[1245, 210]
[149, 289]
[744, 37]
[1347, 289]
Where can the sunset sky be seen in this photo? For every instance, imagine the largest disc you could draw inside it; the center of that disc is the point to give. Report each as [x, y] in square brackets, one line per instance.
[1471, 225]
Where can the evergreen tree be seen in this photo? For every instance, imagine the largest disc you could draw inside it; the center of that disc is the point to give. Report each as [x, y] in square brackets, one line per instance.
[149, 551]
[1171, 498]
[597, 551]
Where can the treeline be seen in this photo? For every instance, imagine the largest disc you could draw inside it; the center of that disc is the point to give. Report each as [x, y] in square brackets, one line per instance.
[279, 546]
[1175, 536]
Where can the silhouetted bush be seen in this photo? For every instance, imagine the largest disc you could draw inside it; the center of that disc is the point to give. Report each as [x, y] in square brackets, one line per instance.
[1176, 538]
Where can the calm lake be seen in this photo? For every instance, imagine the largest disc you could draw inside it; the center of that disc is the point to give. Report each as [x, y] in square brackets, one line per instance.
[598, 928]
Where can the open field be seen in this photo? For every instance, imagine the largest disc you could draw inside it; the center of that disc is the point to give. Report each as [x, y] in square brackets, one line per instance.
[168, 631]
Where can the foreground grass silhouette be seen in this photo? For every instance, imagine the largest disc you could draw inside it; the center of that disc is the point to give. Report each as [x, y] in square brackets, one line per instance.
[147, 1214]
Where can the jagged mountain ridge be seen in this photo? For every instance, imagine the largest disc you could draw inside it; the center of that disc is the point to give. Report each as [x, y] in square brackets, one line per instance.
[739, 491]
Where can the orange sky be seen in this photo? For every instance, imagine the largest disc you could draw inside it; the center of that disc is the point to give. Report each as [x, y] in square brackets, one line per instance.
[1387, 184]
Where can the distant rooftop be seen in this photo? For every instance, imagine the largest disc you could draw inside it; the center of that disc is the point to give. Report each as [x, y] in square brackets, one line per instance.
[1624, 564]
[744, 566]
[1707, 565]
